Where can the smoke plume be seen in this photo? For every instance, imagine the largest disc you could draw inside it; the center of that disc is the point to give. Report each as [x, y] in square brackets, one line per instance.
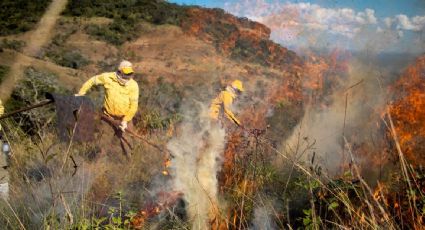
[350, 112]
[262, 218]
[197, 153]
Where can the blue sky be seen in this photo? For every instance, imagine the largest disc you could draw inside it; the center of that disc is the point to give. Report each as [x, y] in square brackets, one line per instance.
[396, 25]
[205, 3]
[383, 8]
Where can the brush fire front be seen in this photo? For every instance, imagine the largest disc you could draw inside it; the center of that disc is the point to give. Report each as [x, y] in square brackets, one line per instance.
[161, 202]
[201, 176]
[408, 111]
[246, 173]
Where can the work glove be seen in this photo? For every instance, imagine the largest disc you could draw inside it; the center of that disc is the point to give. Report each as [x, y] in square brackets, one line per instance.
[123, 126]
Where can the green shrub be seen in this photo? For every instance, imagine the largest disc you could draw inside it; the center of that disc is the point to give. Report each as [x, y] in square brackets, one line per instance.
[159, 105]
[32, 90]
[3, 71]
[12, 44]
[154, 11]
[126, 14]
[68, 58]
[116, 33]
[165, 96]
[18, 16]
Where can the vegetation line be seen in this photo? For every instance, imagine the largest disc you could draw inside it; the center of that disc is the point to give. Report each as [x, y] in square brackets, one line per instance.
[39, 37]
[310, 175]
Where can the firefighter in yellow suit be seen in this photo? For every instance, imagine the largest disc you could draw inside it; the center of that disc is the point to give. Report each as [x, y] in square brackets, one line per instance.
[1, 111]
[4, 163]
[214, 141]
[221, 105]
[121, 96]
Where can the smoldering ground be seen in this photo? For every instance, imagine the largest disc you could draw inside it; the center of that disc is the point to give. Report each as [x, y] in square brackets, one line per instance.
[197, 156]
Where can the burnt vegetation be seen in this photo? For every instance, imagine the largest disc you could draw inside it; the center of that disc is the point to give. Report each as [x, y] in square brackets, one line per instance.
[223, 29]
[70, 186]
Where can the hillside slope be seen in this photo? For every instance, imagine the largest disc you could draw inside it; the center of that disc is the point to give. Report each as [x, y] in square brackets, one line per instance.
[177, 65]
[183, 56]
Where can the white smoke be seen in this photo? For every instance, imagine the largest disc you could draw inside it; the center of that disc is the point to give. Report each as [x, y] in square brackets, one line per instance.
[262, 219]
[47, 185]
[197, 158]
[355, 105]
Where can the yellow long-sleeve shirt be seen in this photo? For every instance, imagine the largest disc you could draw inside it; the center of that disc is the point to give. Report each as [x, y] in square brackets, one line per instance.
[120, 99]
[1, 108]
[223, 102]
[1, 111]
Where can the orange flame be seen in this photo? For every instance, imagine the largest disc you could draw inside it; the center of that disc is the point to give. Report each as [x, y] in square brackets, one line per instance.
[408, 111]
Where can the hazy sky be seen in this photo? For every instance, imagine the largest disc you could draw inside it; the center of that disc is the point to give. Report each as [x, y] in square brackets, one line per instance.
[395, 25]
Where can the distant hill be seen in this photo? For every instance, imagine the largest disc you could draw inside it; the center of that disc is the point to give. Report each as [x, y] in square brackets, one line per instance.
[197, 51]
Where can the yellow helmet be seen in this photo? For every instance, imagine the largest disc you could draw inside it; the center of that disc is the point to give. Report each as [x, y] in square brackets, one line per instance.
[126, 67]
[237, 84]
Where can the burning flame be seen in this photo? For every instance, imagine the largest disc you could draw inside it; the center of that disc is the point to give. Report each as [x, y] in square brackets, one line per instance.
[379, 193]
[408, 111]
[163, 200]
[166, 164]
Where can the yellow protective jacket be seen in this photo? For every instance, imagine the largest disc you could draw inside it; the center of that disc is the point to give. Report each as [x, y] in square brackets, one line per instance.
[120, 99]
[1, 110]
[221, 104]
